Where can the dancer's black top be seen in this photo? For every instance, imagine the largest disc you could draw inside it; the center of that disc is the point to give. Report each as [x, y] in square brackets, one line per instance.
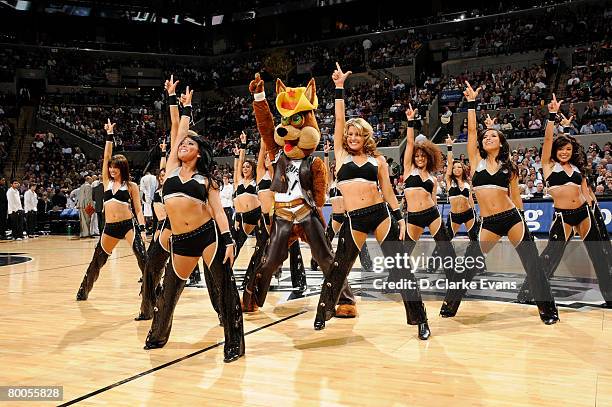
[483, 179]
[157, 196]
[122, 195]
[350, 171]
[414, 180]
[264, 184]
[558, 177]
[249, 189]
[454, 191]
[194, 188]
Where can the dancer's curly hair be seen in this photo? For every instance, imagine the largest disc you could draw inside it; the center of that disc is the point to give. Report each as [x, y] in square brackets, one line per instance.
[433, 153]
[503, 157]
[578, 155]
[365, 129]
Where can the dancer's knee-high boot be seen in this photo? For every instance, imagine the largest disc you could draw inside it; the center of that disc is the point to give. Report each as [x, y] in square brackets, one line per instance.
[195, 277]
[138, 247]
[475, 250]
[261, 244]
[241, 238]
[213, 293]
[229, 305]
[445, 249]
[596, 248]
[346, 254]
[329, 234]
[538, 284]
[550, 258]
[93, 271]
[411, 297]
[156, 261]
[603, 230]
[164, 309]
[456, 292]
[298, 274]
[365, 259]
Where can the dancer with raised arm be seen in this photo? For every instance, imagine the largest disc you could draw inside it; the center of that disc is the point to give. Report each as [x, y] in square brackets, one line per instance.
[120, 197]
[362, 176]
[495, 183]
[563, 165]
[246, 201]
[420, 161]
[199, 229]
[157, 255]
[338, 215]
[462, 208]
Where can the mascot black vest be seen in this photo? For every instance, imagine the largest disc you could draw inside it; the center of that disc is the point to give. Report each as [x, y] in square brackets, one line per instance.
[280, 184]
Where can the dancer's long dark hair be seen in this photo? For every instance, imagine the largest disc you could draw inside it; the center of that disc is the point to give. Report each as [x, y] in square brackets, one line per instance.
[121, 163]
[503, 157]
[578, 155]
[464, 177]
[205, 162]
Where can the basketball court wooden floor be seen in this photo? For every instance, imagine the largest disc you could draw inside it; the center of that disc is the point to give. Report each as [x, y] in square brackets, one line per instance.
[492, 353]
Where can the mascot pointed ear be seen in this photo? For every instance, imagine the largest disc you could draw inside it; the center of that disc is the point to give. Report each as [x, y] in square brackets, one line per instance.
[280, 86]
[311, 91]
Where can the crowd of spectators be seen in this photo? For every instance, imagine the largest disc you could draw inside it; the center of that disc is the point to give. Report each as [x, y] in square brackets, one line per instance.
[140, 126]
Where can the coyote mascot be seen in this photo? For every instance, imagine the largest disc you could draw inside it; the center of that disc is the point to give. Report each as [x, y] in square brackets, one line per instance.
[299, 184]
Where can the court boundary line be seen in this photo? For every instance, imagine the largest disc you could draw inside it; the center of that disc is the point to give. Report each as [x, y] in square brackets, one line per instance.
[173, 362]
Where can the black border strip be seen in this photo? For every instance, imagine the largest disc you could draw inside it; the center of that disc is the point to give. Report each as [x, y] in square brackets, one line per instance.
[172, 362]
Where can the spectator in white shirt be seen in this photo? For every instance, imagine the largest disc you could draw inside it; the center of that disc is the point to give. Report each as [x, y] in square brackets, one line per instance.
[30, 206]
[227, 192]
[15, 210]
[148, 186]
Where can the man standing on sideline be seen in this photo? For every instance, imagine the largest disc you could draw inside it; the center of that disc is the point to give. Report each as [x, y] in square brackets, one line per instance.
[148, 186]
[3, 208]
[15, 210]
[30, 205]
[97, 191]
[227, 195]
[85, 200]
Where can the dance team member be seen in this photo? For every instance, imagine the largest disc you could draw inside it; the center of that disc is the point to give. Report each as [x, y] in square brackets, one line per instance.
[157, 255]
[190, 197]
[495, 183]
[563, 165]
[159, 252]
[362, 176]
[246, 202]
[120, 194]
[299, 183]
[338, 215]
[420, 161]
[462, 208]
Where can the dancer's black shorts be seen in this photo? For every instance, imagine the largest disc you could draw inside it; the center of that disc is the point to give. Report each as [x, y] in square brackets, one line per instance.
[462, 217]
[423, 218]
[367, 219]
[574, 217]
[502, 222]
[339, 217]
[192, 244]
[251, 217]
[118, 230]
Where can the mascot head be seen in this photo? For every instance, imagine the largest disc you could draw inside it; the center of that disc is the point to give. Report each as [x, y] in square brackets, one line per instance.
[298, 134]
